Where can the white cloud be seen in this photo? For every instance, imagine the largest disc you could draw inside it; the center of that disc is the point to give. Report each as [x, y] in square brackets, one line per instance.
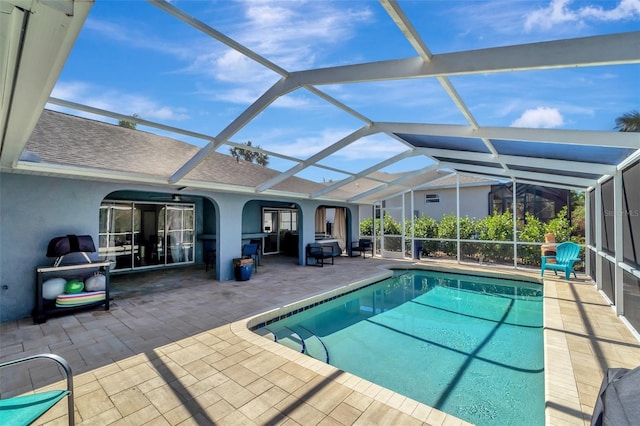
[541, 117]
[115, 100]
[292, 34]
[304, 147]
[559, 12]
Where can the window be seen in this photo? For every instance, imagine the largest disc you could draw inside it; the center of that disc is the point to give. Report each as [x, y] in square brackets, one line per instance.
[432, 198]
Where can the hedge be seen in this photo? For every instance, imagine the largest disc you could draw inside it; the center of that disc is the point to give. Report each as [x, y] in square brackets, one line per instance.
[498, 227]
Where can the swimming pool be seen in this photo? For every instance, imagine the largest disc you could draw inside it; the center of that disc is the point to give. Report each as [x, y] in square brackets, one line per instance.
[467, 345]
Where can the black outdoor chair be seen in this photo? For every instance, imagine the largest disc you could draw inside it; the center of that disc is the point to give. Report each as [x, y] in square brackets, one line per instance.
[210, 259]
[361, 247]
[319, 253]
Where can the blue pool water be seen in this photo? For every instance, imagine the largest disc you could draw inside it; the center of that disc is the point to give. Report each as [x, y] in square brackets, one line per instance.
[470, 346]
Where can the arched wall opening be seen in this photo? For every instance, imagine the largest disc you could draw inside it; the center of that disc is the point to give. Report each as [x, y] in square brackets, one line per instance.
[333, 224]
[274, 225]
[148, 230]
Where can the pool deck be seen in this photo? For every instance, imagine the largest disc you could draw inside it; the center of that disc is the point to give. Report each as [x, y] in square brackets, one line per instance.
[174, 350]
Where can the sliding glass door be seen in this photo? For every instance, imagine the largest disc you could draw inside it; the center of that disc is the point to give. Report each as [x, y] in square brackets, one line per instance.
[135, 235]
[282, 227]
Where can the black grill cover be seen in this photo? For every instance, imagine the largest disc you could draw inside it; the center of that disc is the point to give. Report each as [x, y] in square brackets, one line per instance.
[59, 246]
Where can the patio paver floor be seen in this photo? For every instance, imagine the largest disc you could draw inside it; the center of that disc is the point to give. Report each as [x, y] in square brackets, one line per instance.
[174, 349]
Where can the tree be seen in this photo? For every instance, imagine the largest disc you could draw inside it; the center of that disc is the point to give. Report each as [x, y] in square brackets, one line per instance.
[628, 122]
[249, 154]
[129, 124]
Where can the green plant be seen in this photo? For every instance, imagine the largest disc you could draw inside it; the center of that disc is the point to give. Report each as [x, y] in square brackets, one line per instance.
[425, 227]
[447, 229]
[498, 227]
[366, 226]
[560, 226]
[532, 231]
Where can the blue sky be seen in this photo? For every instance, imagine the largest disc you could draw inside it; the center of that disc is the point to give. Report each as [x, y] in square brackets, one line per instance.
[133, 58]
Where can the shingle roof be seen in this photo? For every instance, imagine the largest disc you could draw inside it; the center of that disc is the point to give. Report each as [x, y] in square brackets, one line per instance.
[69, 140]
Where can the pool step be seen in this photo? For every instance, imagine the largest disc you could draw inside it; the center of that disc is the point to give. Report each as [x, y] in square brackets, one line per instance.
[265, 332]
[289, 338]
[313, 345]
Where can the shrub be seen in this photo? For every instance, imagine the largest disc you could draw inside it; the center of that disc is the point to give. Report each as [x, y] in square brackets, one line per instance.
[498, 227]
[560, 226]
[532, 231]
[425, 227]
[366, 226]
[447, 229]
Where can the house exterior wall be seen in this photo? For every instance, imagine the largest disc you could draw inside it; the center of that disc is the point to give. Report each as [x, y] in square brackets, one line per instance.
[473, 203]
[35, 209]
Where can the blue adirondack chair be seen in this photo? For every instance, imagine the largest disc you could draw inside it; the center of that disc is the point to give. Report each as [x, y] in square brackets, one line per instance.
[566, 256]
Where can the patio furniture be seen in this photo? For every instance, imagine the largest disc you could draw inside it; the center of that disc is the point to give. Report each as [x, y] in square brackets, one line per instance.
[25, 409]
[258, 242]
[361, 247]
[319, 253]
[618, 400]
[250, 251]
[47, 303]
[566, 256]
[210, 259]
[334, 246]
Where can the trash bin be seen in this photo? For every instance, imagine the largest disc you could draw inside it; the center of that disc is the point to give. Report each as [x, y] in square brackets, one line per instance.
[242, 268]
[417, 249]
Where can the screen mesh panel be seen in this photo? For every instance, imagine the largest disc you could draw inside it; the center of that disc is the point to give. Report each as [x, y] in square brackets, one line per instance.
[608, 213]
[631, 215]
[631, 299]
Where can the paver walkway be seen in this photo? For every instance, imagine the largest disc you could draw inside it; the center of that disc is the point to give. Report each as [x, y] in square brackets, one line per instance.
[173, 349]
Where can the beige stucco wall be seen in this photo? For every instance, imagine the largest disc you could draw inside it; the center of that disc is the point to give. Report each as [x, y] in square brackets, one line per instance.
[473, 203]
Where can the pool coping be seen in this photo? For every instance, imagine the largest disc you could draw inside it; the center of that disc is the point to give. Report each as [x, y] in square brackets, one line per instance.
[559, 382]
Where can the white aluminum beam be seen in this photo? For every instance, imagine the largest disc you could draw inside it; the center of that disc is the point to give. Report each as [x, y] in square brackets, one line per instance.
[196, 23]
[394, 182]
[629, 160]
[284, 86]
[610, 49]
[365, 173]
[618, 214]
[338, 104]
[598, 229]
[279, 88]
[118, 116]
[552, 185]
[568, 180]
[543, 163]
[361, 132]
[570, 137]
[180, 131]
[587, 233]
[402, 21]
